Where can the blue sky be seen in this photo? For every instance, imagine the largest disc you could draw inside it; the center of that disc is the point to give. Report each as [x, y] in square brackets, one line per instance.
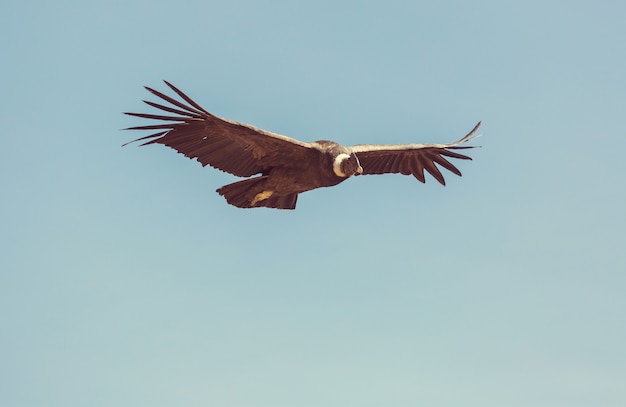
[125, 280]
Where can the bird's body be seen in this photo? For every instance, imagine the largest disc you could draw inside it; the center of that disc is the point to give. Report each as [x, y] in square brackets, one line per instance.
[282, 184]
[285, 167]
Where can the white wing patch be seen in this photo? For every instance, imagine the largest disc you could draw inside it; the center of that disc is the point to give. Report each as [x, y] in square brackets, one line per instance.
[362, 148]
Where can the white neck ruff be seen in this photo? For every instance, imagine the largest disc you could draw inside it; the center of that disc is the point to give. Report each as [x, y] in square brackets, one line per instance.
[337, 164]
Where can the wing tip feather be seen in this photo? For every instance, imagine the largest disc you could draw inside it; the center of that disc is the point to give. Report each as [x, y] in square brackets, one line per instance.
[470, 136]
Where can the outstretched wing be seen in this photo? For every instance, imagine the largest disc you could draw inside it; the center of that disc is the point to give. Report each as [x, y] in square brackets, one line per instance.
[412, 158]
[237, 148]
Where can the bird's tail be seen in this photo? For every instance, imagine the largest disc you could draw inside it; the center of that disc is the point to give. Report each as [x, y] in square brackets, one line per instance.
[250, 193]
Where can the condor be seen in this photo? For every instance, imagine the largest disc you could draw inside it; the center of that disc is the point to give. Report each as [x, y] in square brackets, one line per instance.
[284, 167]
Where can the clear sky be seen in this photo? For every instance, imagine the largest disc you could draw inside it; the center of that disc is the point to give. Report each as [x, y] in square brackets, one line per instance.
[125, 280]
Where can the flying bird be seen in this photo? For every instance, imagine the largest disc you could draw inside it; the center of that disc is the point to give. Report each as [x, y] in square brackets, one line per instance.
[284, 167]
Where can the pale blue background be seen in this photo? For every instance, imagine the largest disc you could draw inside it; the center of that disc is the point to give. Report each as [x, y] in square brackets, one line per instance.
[127, 281]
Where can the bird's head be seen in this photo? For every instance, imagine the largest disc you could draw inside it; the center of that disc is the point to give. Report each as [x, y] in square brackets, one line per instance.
[347, 165]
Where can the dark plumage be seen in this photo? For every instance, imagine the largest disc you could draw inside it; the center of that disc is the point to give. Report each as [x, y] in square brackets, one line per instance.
[285, 166]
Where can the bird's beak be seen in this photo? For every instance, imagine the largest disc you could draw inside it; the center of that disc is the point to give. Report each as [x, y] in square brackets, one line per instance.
[359, 170]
